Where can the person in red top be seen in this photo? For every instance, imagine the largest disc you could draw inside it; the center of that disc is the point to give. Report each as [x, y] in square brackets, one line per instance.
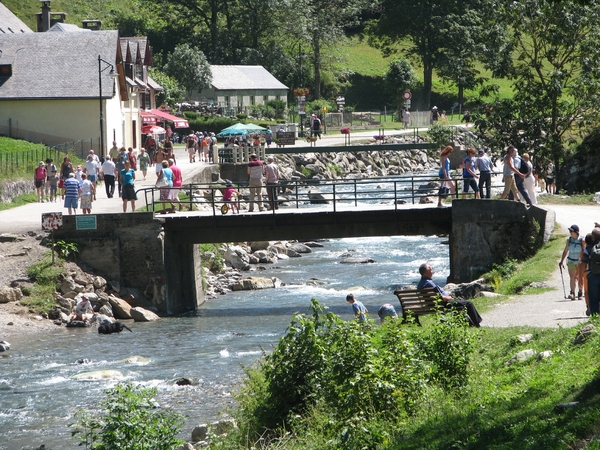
[132, 158]
[39, 178]
[177, 183]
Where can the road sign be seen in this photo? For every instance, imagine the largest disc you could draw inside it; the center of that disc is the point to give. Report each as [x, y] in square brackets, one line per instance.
[406, 95]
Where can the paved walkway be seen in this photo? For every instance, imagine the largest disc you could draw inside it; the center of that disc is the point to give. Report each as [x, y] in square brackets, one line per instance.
[550, 309]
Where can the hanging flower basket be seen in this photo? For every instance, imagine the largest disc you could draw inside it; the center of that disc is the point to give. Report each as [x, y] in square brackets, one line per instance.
[299, 92]
[345, 130]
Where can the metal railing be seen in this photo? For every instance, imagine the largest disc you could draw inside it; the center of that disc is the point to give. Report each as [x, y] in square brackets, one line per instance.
[334, 195]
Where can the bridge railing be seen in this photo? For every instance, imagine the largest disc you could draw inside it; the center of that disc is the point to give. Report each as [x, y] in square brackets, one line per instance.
[335, 195]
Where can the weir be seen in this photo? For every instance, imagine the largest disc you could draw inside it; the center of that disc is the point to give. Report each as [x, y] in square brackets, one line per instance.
[157, 258]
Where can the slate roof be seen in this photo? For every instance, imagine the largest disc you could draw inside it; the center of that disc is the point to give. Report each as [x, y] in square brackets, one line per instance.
[244, 77]
[9, 23]
[58, 65]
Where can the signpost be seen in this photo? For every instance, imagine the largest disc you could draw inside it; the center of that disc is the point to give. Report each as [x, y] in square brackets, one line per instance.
[302, 112]
[406, 96]
[50, 222]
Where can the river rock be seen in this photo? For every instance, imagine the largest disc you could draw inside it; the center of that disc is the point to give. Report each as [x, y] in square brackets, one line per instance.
[313, 244]
[4, 346]
[253, 283]
[66, 303]
[114, 285]
[67, 285]
[265, 257]
[259, 245]
[121, 309]
[99, 282]
[299, 248]
[186, 446]
[237, 257]
[200, 432]
[224, 426]
[143, 315]
[106, 310]
[523, 338]
[135, 359]
[545, 354]
[100, 318]
[99, 375]
[354, 260]
[8, 237]
[9, 294]
[317, 198]
[278, 247]
[467, 290]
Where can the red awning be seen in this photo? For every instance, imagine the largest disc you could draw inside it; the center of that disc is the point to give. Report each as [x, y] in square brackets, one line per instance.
[147, 118]
[179, 122]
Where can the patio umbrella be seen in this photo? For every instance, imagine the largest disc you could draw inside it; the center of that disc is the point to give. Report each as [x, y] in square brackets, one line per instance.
[153, 129]
[237, 129]
[255, 129]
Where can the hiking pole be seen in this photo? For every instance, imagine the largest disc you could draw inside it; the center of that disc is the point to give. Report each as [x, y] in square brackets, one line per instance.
[562, 279]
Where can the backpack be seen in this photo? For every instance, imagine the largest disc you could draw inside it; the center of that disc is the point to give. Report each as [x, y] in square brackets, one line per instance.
[595, 259]
[524, 168]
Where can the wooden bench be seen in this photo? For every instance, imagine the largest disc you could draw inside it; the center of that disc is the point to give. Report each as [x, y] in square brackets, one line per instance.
[418, 302]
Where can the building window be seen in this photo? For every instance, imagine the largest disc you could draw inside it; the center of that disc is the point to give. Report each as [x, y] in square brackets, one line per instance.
[227, 103]
[139, 72]
[129, 70]
[240, 100]
[252, 99]
[278, 97]
[265, 98]
[147, 100]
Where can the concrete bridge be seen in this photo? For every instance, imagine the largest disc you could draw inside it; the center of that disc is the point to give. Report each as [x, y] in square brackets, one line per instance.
[158, 256]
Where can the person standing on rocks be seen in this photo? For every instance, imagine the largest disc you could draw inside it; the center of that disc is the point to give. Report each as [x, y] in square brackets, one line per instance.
[426, 281]
[272, 180]
[360, 312]
[255, 173]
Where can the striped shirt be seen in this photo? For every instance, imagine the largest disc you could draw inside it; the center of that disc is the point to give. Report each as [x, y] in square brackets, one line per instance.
[71, 186]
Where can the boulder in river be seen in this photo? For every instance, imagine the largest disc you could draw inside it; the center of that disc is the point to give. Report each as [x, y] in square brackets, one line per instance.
[99, 375]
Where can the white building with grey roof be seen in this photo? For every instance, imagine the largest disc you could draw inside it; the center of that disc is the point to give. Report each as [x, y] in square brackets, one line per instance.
[241, 86]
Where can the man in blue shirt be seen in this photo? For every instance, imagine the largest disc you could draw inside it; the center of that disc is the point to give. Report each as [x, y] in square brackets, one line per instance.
[359, 309]
[426, 272]
[71, 193]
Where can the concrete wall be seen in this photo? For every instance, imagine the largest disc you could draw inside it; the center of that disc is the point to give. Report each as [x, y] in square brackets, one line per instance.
[485, 232]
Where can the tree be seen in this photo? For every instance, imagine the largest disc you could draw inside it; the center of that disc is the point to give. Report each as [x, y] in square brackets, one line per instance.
[555, 71]
[435, 29]
[172, 93]
[399, 78]
[189, 67]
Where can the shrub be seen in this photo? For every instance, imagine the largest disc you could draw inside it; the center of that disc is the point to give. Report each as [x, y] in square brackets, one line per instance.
[130, 421]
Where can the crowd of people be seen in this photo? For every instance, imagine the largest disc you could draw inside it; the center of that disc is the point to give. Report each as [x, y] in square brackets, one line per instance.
[519, 176]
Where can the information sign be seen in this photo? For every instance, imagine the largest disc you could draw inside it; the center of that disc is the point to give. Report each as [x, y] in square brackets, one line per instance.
[286, 138]
[52, 221]
[86, 222]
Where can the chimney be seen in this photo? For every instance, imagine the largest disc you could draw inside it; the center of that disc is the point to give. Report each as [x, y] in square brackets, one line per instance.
[94, 25]
[43, 18]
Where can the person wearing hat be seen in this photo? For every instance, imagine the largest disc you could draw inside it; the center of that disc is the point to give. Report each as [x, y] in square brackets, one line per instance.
[572, 252]
[228, 197]
[39, 179]
[83, 308]
[272, 181]
[485, 166]
[255, 175]
[434, 115]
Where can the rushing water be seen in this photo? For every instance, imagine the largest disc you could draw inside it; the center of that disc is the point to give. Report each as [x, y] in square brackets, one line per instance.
[39, 398]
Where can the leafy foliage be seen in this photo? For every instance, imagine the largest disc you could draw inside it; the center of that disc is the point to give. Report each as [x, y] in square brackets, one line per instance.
[189, 67]
[440, 134]
[65, 249]
[352, 372]
[399, 78]
[131, 420]
[172, 93]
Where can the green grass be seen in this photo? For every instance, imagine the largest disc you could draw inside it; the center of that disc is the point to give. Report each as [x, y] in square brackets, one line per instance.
[45, 277]
[563, 199]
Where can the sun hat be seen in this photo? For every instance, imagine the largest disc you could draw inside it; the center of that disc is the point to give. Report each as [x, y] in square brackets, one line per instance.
[574, 228]
[481, 152]
[41, 163]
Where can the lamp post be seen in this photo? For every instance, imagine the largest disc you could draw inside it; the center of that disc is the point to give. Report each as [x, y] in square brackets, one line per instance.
[113, 75]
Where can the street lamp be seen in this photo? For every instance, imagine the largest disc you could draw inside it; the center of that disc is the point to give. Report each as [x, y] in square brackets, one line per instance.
[113, 75]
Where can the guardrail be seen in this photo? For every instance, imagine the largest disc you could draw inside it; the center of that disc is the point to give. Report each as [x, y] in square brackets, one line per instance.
[334, 195]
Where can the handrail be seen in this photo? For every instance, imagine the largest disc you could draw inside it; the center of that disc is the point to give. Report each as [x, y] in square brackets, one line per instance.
[338, 194]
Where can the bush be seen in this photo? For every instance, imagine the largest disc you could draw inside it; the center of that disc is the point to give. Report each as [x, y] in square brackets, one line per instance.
[351, 373]
[130, 421]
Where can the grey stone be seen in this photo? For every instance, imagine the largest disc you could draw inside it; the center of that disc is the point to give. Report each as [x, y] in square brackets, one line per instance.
[4, 346]
[143, 315]
[253, 283]
[9, 294]
[523, 338]
[353, 260]
[106, 310]
[99, 282]
[115, 286]
[259, 245]
[236, 257]
[545, 354]
[200, 432]
[67, 285]
[66, 303]
[186, 446]
[224, 426]
[299, 248]
[317, 198]
[584, 333]
[121, 309]
[523, 355]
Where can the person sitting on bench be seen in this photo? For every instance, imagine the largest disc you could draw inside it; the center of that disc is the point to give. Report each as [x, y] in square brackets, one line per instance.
[426, 272]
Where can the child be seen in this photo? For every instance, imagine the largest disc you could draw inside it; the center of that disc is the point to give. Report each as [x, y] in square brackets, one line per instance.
[228, 193]
[53, 180]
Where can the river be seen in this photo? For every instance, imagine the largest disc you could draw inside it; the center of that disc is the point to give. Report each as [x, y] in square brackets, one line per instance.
[39, 398]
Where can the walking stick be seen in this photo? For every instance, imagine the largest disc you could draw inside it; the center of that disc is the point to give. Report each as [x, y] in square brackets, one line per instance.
[562, 279]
